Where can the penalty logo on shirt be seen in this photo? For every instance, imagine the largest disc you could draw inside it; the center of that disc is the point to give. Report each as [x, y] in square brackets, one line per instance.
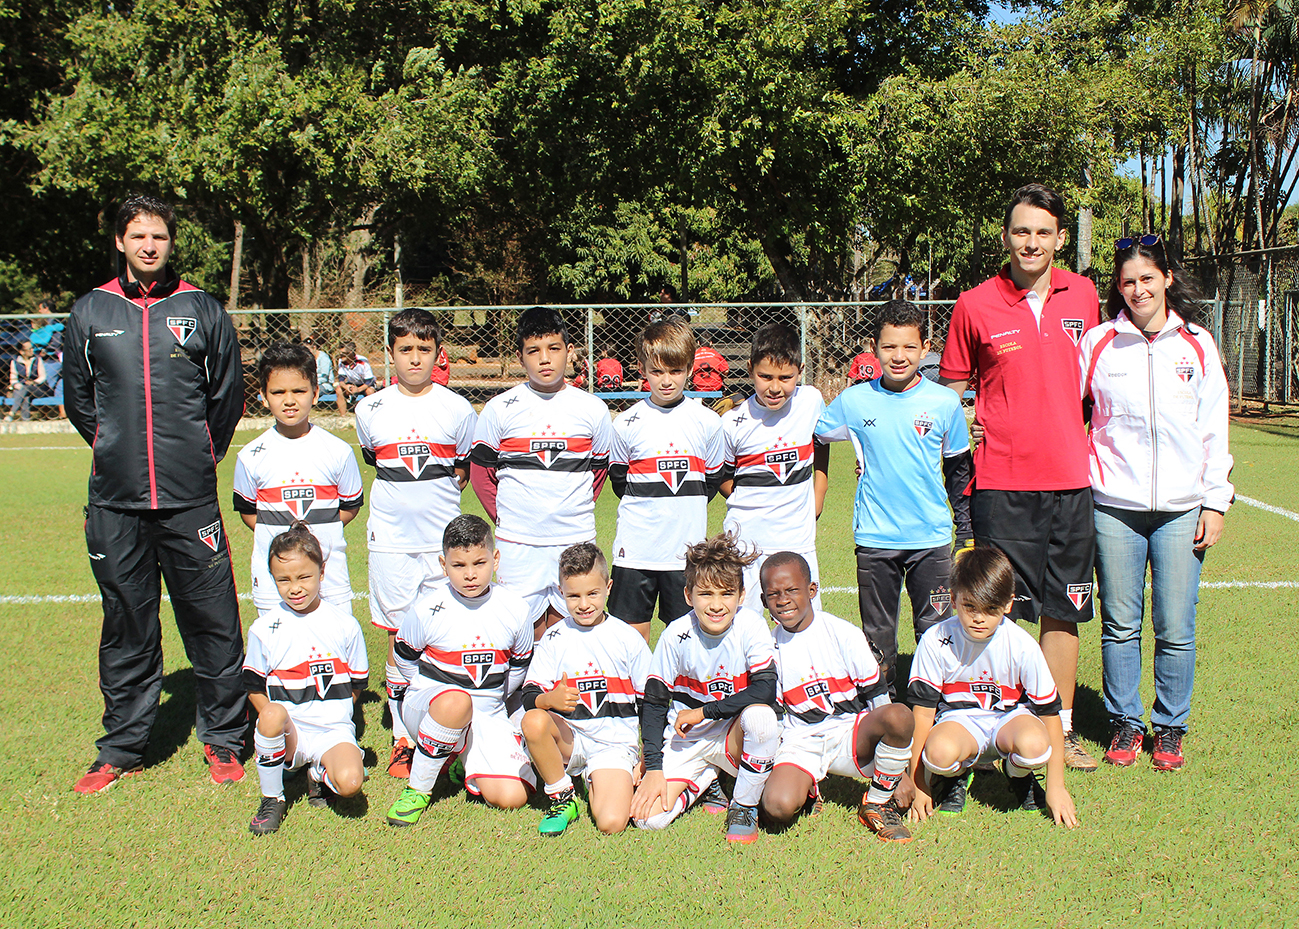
[1078, 594]
[674, 471]
[548, 449]
[1073, 328]
[818, 693]
[923, 423]
[415, 456]
[211, 535]
[782, 462]
[1185, 371]
[477, 665]
[322, 672]
[298, 500]
[182, 327]
[592, 691]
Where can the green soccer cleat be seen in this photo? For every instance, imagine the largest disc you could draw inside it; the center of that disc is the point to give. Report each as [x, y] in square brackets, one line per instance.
[410, 805]
[562, 813]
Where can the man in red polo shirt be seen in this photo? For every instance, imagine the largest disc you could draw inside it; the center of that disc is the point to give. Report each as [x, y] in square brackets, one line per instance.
[1016, 336]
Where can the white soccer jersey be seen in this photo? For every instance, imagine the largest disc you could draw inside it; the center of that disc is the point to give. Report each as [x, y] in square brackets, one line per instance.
[415, 444]
[309, 663]
[669, 457]
[773, 505]
[479, 646]
[826, 673]
[541, 451]
[607, 664]
[952, 671]
[310, 478]
[698, 668]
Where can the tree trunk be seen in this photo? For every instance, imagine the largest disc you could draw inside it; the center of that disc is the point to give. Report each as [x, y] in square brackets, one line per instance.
[306, 274]
[236, 266]
[1145, 190]
[778, 252]
[399, 295]
[1179, 189]
[685, 260]
[358, 242]
[1085, 224]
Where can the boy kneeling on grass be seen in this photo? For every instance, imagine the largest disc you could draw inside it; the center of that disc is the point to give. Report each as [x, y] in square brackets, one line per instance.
[461, 649]
[305, 667]
[582, 693]
[980, 685]
[709, 698]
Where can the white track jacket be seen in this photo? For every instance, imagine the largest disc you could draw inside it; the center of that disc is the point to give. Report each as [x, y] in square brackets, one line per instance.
[1159, 424]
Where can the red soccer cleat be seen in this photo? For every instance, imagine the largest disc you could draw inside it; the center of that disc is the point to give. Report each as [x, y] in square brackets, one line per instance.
[101, 777]
[403, 753]
[222, 765]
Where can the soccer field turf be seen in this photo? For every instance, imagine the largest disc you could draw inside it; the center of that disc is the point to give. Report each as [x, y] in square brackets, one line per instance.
[1213, 844]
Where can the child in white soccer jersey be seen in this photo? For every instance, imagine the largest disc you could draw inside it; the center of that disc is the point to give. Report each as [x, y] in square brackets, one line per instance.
[304, 669]
[582, 695]
[418, 435]
[838, 718]
[666, 465]
[774, 476]
[540, 458]
[980, 686]
[462, 648]
[709, 698]
[296, 470]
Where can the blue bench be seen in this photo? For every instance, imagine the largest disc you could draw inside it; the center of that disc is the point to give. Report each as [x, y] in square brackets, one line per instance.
[55, 399]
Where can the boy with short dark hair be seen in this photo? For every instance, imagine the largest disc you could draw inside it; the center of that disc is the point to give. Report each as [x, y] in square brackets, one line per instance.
[665, 467]
[709, 698]
[461, 650]
[980, 687]
[838, 718]
[774, 475]
[539, 461]
[417, 434]
[582, 694]
[910, 434]
[296, 470]
[353, 377]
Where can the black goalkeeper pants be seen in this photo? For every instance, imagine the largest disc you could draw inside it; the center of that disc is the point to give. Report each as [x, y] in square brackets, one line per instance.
[130, 551]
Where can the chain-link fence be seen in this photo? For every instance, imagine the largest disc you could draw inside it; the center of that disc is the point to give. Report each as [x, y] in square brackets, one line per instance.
[1254, 319]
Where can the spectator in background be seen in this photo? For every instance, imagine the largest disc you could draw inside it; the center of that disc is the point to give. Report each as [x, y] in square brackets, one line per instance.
[53, 361]
[608, 370]
[324, 365]
[710, 367]
[47, 333]
[442, 368]
[353, 377]
[865, 367]
[26, 380]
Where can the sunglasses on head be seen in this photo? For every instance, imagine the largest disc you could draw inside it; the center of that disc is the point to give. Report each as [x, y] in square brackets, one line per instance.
[1149, 241]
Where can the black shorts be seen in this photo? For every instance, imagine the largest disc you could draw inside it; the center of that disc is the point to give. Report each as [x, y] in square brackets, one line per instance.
[635, 592]
[1050, 538]
[881, 575]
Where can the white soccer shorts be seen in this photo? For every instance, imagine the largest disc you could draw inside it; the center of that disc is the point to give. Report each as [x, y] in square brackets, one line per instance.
[532, 572]
[314, 742]
[590, 755]
[827, 748]
[396, 580]
[492, 747]
[984, 726]
[686, 759]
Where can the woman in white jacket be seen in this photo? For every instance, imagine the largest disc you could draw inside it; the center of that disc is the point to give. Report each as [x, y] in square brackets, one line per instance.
[1160, 478]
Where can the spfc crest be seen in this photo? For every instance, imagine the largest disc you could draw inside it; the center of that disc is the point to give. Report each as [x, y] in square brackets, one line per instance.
[322, 672]
[211, 535]
[1185, 371]
[298, 500]
[548, 449]
[182, 327]
[923, 423]
[477, 665]
[592, 691]
[1073, 328]
[415, 456]
[782, 462]
[1078, 594]
[674, 471]
[988, 693]
[818, 693]
[720, 689]
[940, 600]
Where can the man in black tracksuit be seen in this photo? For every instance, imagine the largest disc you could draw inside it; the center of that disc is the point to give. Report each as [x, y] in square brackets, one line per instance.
[153, 381]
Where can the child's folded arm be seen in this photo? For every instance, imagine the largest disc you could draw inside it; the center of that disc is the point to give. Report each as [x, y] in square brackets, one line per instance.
[761, 689]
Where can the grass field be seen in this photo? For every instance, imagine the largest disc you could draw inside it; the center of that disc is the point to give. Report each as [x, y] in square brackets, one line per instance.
[1216, 844]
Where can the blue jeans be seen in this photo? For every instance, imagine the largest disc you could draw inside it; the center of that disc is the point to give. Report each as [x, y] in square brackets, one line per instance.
[1126, 540]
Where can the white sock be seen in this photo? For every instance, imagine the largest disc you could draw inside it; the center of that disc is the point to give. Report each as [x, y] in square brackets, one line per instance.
[399, 730]
[761, 738]
[561, 786]
[663, 820]
[270, 763]
[433, 746]
[1066, 719]
[890, 763]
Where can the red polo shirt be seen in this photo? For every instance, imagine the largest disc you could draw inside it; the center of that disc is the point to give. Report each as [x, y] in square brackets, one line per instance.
[1026, 380]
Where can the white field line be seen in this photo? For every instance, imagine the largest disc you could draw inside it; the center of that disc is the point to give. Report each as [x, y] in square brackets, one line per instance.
[1288, 514]
[39, 599]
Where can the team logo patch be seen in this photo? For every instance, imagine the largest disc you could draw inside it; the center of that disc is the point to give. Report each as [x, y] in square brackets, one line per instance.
[592, 691]
[720, 689]
[818, 693]
[1185, 371]
[674, 471]
[782, 461]
[298, 500]
[322, 672]
[477, 664]
[548, 449]
[1073, 328]
[923, 423]
[940, 599]
[211, 535]
[182, 327]
[1078, 594]
[988, 693]
[415, 457]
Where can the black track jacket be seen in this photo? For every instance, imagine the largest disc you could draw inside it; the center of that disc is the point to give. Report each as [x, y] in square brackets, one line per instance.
[152, 380]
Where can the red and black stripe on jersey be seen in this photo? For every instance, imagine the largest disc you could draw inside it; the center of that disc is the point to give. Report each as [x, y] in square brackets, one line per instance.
[306, 682]
[312, 503]
[662, 476]
[540, 453]
[776, 467]
[471, 668]
[979, 695]
[820, 699]
[599, 697]
[416, 460]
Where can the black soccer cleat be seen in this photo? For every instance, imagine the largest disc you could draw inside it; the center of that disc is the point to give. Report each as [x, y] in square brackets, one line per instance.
[1027, 793]
[269, 815]
[949, 793]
